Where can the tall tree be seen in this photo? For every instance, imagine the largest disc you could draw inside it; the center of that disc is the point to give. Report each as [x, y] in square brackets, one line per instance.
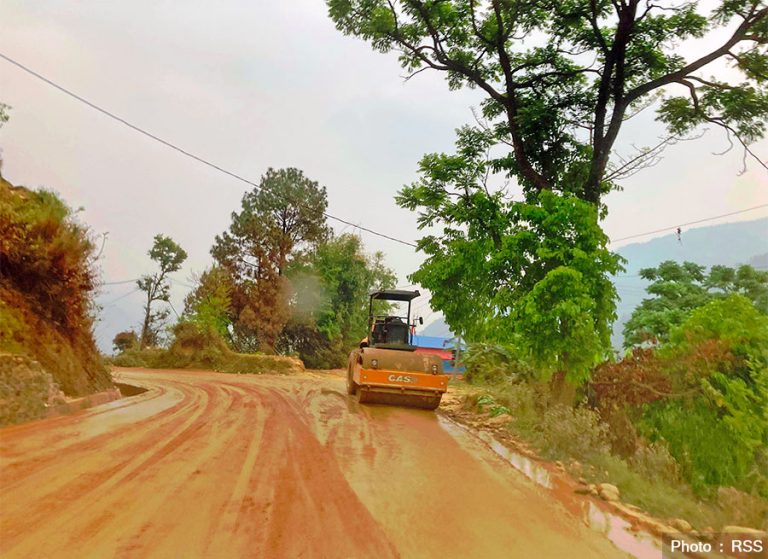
[561, 78]
[534, 273]
[280, 219]
[559, 81]
[169, 257]
[329, 303]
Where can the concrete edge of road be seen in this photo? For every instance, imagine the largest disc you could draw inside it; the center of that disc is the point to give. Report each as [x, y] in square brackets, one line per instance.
[121, 390]
[77, 404]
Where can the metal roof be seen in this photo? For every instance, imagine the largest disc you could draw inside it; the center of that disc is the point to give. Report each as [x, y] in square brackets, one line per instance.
[435, 342]
[395, 294]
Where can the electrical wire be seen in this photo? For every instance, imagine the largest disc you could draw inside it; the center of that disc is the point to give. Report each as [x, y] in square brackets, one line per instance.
[180, 150]
[674, 227]
[115, 300]
[120, 282]
[253, 184]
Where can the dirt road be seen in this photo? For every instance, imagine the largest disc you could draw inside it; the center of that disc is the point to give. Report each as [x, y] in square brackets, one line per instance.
[214, 465]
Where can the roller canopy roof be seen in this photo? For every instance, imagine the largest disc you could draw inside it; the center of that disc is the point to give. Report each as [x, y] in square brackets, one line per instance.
[395, 295]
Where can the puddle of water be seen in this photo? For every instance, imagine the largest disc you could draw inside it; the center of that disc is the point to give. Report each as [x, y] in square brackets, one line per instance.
[640, 544]
[530, 469]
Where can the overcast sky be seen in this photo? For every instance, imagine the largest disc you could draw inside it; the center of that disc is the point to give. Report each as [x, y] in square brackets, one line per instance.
[256, 84]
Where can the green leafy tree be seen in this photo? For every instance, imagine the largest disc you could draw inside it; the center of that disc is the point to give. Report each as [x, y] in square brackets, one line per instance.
[209, 304]
[534, 273]
[169, 257]
[125, 340]
[329, 307]
[678, 289]
[281, 219]
[561, 78]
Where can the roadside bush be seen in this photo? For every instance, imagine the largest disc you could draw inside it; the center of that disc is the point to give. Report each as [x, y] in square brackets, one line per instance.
[194, 345]
[654, 461]
[742, 508]
[718, 429]
[198, 347]
[495, 364]
[576, 433]
[125, 340]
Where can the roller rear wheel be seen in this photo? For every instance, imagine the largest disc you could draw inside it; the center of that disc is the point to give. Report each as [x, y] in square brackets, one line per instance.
[352, 386]
[366, 396]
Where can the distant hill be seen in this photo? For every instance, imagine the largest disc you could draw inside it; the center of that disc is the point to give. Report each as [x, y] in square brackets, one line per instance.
[728, 244]
[760, 261]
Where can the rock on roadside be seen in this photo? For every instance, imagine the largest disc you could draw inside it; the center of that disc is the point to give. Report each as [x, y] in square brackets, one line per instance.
[608, 492]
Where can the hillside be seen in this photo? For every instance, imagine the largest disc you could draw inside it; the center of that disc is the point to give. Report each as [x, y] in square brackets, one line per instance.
[728, 244]
[46, 281]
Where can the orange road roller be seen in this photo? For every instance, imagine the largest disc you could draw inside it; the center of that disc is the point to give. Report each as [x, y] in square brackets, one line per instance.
[387, 369]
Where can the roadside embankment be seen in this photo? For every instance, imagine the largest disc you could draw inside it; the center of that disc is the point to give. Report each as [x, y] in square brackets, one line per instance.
[47, 280]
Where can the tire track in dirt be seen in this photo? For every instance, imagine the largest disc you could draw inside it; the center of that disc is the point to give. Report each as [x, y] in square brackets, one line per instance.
[267, 466]
[49, 455]
[72, 500]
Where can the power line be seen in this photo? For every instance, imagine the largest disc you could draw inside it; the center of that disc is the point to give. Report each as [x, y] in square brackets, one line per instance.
[251, 183]
[174, 147]
[115, 300]
[120, 282]
[672, 228]
[177, 282]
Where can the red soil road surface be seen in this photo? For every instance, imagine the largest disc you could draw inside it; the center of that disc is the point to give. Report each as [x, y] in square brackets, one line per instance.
[215, 465]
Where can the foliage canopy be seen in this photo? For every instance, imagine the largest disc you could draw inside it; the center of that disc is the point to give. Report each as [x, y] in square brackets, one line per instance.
[677, 289]
[534, 272]
[561, 78]
[279, 221]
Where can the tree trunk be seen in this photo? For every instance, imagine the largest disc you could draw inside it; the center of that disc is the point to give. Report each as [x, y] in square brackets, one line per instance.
[561, 391]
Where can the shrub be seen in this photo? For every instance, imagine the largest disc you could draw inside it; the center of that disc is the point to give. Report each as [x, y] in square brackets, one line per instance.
[701, 442]
[654, 461]
[198, 347]
[576, 433]
[494, 364]
[125, 340]
[719, 433]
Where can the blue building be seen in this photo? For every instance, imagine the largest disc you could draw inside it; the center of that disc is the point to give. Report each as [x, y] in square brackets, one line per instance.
[443, 347]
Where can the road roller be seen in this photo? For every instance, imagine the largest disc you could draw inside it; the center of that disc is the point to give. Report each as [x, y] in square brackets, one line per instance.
[387, 369]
